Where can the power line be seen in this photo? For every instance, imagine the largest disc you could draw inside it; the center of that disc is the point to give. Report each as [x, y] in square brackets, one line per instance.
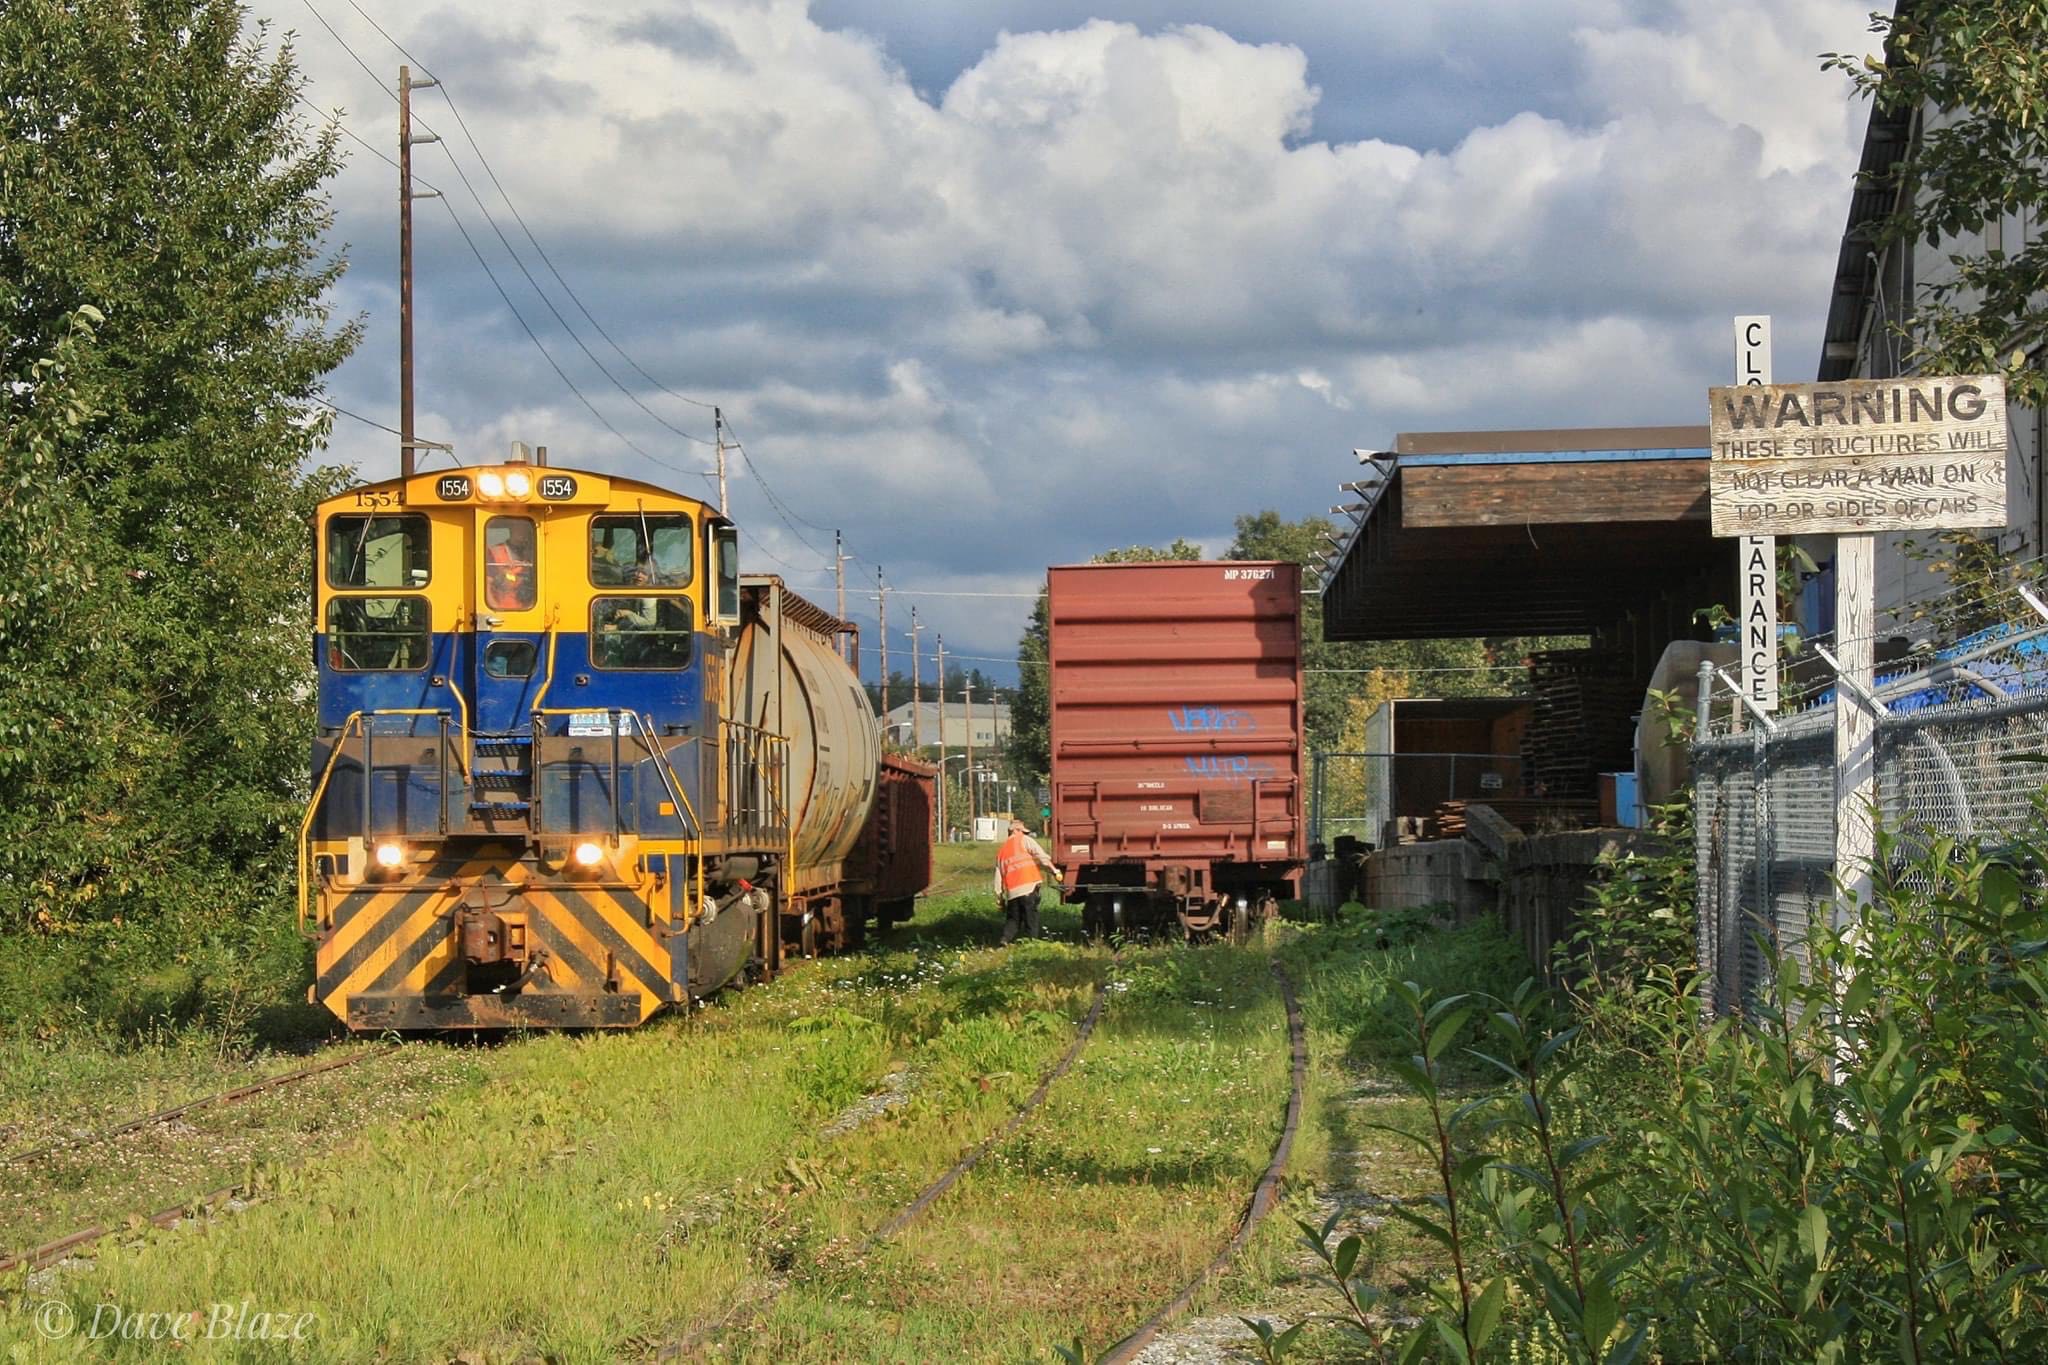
[555, 312]
[787, 514]
[520, 218]
[356, 416]
[783, 510]
[497, 284]
[763, 482]
[547, 355]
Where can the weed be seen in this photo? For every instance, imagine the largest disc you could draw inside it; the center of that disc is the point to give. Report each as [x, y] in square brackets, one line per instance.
[1859, 1166]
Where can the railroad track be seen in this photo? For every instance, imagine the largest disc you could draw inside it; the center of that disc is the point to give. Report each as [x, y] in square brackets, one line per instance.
[37, 1257]
[1262, 1199]
[1261, 1203]
[677, 1350]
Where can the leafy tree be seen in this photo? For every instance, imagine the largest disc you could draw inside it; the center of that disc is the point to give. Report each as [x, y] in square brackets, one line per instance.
[1979, 70]
[151, 165]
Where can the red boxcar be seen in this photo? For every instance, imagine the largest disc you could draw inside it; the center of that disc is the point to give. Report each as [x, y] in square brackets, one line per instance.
[897, 843]
[1176, 710]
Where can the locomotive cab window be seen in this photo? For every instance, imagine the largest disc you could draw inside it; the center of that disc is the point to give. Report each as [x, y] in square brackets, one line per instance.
[377, 634]
[640, 632]
[726, 571]
[641, 550]
[378, 552]
[509, 579]
[510, 658]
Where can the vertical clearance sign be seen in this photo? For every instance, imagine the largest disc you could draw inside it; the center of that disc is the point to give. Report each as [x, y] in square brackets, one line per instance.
[1758, 604]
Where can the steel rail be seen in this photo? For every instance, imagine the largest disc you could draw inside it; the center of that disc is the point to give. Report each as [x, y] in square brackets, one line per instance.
[38, 1257]
[931, 1193]
[1262, 1200]
[240, 1092]
[973, 1158]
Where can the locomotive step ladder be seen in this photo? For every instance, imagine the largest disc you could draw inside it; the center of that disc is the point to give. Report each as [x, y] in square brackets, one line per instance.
[501, 776]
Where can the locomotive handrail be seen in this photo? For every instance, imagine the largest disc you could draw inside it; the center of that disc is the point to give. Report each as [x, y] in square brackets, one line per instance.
[462, 749]
[312, 806]
[771, 766]
[358, 721]
[671, 782]
[665, 770]
[548, 678]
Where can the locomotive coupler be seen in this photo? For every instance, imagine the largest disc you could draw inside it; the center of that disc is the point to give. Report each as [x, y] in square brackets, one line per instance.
[484, 937]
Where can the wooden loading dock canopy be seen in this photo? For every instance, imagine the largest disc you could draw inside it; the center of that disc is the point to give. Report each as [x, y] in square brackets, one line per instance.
[1599, 531]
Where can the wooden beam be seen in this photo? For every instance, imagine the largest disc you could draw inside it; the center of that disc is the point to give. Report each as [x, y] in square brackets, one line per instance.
[1554, 494]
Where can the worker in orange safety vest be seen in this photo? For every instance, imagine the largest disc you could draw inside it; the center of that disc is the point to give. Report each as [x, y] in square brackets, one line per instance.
[1017, 881]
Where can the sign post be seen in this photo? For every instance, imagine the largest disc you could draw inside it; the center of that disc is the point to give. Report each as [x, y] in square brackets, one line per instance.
[1854, 458]
[1758, 624]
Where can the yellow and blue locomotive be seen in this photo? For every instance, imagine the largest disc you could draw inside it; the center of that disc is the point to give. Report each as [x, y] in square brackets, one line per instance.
[571, 767]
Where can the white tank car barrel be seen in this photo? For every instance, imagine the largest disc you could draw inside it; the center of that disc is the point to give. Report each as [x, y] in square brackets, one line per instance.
[799, 686]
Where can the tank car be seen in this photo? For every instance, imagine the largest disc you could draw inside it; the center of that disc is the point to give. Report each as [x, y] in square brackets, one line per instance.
[1176, 734]
[571, 768]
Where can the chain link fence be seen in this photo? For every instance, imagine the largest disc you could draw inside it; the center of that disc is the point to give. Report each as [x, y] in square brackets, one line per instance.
[1958, 735]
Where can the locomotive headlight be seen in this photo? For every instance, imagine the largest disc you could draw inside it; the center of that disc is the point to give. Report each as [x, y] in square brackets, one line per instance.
[390, 855]
[517, 484]
[491, 485]
[589, 854]
[1240, 902]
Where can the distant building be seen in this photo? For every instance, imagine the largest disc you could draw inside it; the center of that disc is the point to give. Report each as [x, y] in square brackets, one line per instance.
[991, 724]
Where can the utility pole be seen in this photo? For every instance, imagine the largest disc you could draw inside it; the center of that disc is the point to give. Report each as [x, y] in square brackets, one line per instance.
[839, 558]
[718, 432]
[943, 830]
[916, 686]
[973, 805]
[406, 85]
[882, 596]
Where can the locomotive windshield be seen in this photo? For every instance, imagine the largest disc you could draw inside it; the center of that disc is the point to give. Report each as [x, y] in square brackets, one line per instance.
[378, 552]
[639, 550]
[373, 634]
[640, 632]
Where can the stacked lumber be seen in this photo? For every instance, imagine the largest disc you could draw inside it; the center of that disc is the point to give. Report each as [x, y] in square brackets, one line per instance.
[1582, 724]
[1529, 814]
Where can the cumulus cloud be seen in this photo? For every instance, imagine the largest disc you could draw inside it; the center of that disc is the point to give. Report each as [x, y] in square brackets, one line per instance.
[1048, 282]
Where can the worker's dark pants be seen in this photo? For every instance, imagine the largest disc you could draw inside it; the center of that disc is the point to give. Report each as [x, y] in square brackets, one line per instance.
[1021, 915]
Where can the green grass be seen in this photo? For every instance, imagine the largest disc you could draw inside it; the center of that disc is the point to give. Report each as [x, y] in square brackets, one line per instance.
[1103, 1207]
[669, 1168]
[584, 1198]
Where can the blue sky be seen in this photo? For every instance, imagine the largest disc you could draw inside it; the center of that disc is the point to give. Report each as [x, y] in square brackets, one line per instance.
[989, 286]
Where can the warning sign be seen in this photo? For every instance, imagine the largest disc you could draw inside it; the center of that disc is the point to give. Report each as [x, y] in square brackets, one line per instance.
[1859, 455]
